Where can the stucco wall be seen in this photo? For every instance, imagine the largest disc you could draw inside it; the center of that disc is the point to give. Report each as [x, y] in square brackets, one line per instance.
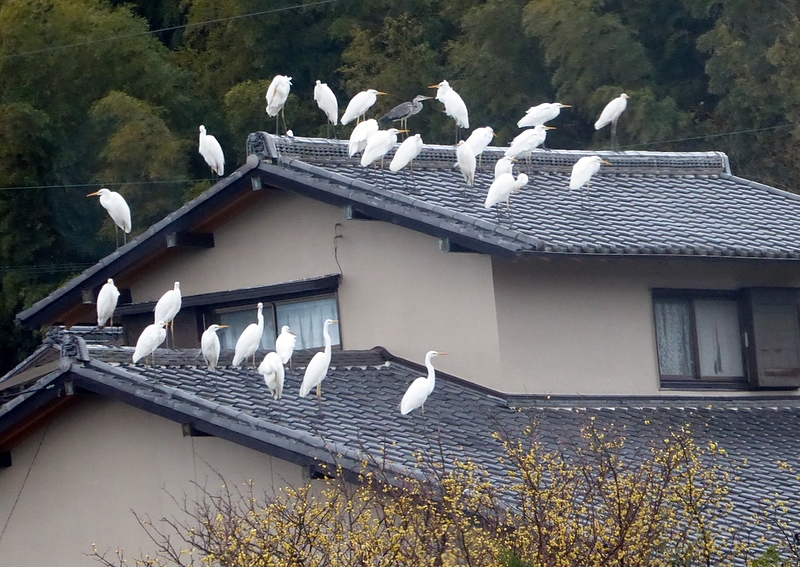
[586, 326]
[398, 290]
[98, 460]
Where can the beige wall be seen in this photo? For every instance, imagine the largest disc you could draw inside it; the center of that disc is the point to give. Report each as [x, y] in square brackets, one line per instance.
[398, 290]
[98, 460]
[586, 326]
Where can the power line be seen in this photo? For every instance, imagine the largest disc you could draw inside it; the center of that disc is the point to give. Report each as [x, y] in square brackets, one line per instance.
[705, 136]
[115, 184]
[171, 28]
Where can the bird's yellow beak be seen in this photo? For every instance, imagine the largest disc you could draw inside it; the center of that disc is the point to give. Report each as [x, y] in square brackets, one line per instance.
[405, 131]
[292, 333]
[494, 134]
[379, 92]
[549, 127]
[605, 162]
[433, 87]
[335, 321]
[513, 159]
[93, 194]
[224, 326]
[565, 105]
[441, 354]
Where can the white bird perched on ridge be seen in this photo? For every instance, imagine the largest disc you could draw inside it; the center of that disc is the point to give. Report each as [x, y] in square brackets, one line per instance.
[527, 141]
[406, 153]
[277, 93]
[421, 388]
[378, 144]
[167, 308]
[611, 114]
[480, 139]
[117, 209]
[465, 159]
[453, 104]
[247, 344]
[359, 105]
[318, 366]
[271, 368]
[504, 165]
[209, 345]
[541, 114]
[583, 170]
[106, 303]
[502, 187]
[150, 339]
[326, 101]
[358, 139]
[211, 151]
[285, 343]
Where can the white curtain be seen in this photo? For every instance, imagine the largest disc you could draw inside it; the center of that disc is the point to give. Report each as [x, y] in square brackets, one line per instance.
[674, 337]
[306, 319]
[238, 322]
[718, 337]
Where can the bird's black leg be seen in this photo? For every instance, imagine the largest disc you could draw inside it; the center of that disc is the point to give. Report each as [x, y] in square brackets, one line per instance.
[283, 119]
[614, 135]
[277, 131]
[116, 234]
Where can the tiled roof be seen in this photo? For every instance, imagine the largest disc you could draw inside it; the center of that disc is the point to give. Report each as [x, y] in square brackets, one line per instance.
[359, 412]
[645, 203]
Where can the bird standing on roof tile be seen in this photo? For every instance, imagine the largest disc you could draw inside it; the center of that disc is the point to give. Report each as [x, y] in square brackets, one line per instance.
[271, 368]
[167, 308]
[117, 209]
[502, 187]
[541, 114]
[465, 159]
[378, 143]
[421, 388]
[327, 103]
[211, 151]
[406, 153]
[209, 346]
[527, 141]
[150, 339]
[285, 343]
[504, 165]
[359, 136]
[247, 344]
[359, 105]
[480, 139]
[106, 303]
[583, 170]
[454, 105]
[277, 93]
[611, 114]
[317, 367]
[405, 110]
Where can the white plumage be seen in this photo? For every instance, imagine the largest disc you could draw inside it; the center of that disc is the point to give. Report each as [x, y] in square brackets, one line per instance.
[541, 114]
[527, 141]
[318, 366]
[168, 306]
[612, 111]
[408, 150]
[212, 152]
[248, 341]
[378, 144]
[326, 101]
[421, 388]
[504, 165]
[465, 159]
[502, 187]
[358, 139]
[359, 105]
[277, 93]
[271, 368]
[583, 170]
[152, 336]
[209, 345]
[107, 302]
[117, 208]
[480, 139]
[285, 343]
[453, 103]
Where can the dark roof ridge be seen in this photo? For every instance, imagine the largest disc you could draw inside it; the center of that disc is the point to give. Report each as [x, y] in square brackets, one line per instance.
[757, 185]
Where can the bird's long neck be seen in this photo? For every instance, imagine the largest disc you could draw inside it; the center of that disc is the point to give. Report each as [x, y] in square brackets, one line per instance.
[327, 341]
[260, 320]
[431, 371]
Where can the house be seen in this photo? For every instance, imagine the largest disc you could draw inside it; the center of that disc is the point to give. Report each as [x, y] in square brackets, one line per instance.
[666, 293]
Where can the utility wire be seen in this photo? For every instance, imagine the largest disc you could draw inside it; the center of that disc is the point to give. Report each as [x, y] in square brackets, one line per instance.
[47, 268]
[115, 184]
[171, 28]
[705, 136]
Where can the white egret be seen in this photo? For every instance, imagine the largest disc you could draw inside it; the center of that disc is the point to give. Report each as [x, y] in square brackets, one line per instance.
[378, 144]
[285, 343]
[150, 339]
[212, 152]
[167, 308]
[248, 342]
[318, 366]
[405, 110]
[326, 101]
[504, 165]
[359, 105]
[271, 368]
[583, 170]
[117, 209]
[541, 114]
[406, 153]
[421, 388]
[453, 103]
[106, 303]
[611, 114]
[527, 141]
[209, 345]
[277, 93]
[502, 187]
[480, 139]
[358, 139]
[465, 159]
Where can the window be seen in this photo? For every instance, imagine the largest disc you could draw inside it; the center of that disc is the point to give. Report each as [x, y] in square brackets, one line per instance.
[305, 317]
[728, 339]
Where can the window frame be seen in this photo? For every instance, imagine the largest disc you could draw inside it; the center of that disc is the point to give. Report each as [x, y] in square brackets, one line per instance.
[697, 381]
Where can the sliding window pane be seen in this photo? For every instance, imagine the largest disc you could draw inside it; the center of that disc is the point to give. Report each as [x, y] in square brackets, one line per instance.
[306, 319]
[718, 340]
[674, 336]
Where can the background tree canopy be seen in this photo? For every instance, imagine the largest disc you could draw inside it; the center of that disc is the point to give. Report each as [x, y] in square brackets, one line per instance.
[109, 92]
